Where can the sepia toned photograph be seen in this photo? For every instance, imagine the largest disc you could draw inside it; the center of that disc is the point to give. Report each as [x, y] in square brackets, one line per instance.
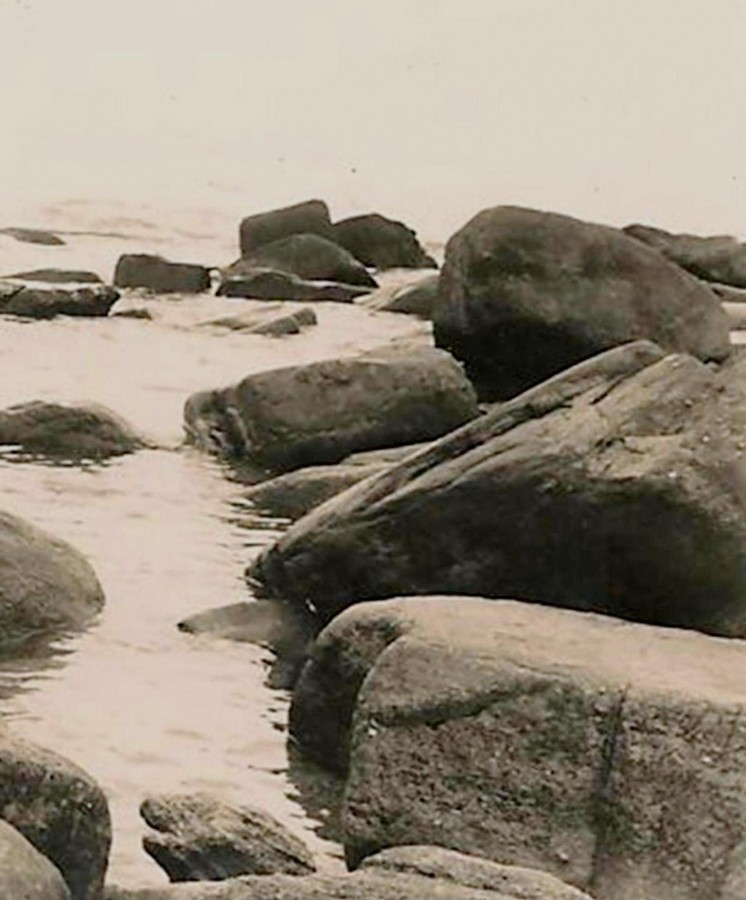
[373, 450]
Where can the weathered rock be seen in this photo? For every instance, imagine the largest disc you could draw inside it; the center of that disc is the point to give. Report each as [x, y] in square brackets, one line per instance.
[45, 584]
[382, 243]
[609, 753]
[415, 299]
[618, 486]
[45, 303]
[141, 270]
[411, 873]
[311, 257]
[24, 873]
[525, 294]
[198, 838]
[58, 276]
[318, 413]
[721, 258]
[60, 810]
[311, 217]
[53, 429]
[260, 283]
[33, 236]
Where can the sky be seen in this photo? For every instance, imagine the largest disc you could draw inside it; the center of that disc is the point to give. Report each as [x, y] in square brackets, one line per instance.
[427, 110]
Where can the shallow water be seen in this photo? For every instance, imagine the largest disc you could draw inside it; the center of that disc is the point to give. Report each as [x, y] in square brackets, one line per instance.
[134, 701]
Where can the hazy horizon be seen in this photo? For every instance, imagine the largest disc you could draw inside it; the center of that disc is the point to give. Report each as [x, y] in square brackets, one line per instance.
[425, 110]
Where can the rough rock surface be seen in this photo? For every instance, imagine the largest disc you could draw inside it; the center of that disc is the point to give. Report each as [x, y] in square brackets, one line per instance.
[45, 303]
[311, 217]
[382, 243]
[141, 270]
[33, 236]
[618, 486]
[24, 873]
[260, 283]
[311, 257]
[59, 809]
[318, 413]
[721, 258]
[53, 429]
[198, 838]
[525, 294]
[608, 753]
[58, 276]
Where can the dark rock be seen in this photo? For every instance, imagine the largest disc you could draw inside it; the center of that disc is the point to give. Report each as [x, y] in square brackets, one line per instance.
[311, 217]
[135, 270]
[382, 243]
[60, 810]
[58, 276]
[385, 456]
[605, 752]
[415, 299]
[73, 432]
[45, 584]
[525, 294]
[257, 283]
[617, 486]
[291, 323]
[33, 236]
[45, 303]
[24, 873]
[134, 312]
[198, 838]
[318, 413]
[312, 258]
[721, 258]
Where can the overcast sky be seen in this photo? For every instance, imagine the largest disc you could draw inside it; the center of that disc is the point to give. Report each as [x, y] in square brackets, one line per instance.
[424, 109]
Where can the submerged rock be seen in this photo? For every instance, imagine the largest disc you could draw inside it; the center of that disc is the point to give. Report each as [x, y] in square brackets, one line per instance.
[24, 873]
[260, 283]
[382, 243]
[525, 294]
[318, 413]
[58, 276]
[311, 217]
[134, 270]
[33, 236]
[72, 432]
[45, 303]
[311, 257]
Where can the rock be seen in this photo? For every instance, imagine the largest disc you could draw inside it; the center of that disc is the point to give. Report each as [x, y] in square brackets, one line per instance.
[45, 584]
[73, 432]
[318, 413]
[525, 294]
[407, 873]
[311, 217]
[292, 323]
[311, 257]
[721, 258]
[134, 312]
[417, 299]
[607, 753]
[736, 313]
[617, 486]
[136, 270]
[45, 303]
[33, 236]
[258, 283]
[382, 243]
[383, 457]
[24, 873]
[292, 495]
[727, 293]
[58, 276]
[198, 838]
[60, 810]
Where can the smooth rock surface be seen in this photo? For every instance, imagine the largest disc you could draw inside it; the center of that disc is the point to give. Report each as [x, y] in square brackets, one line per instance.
[24, 873]
[33, 236]
[415, 299]
[142, 270]
[58, 276]
[243, 279]
[312, 258]
[382, 243]
[46, 303]
[310, 217]
[525, 294]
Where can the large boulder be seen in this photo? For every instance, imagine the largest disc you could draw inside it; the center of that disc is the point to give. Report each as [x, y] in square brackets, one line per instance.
[46, 303]
[525, 294]
[318, 413]
[311, 217]
[721, 258]
[407, 873]
[141, 270]
[24, 873]
[197, 838]
[58, 276]
[60, 810]
[57, 430]
[242, 279]
[45, 584]
[33, 236]
[310, 257]
[610, 754]
[382, 243]
[618, 486]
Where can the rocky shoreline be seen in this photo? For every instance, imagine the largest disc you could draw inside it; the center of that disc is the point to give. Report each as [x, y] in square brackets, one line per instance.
[511, 606]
